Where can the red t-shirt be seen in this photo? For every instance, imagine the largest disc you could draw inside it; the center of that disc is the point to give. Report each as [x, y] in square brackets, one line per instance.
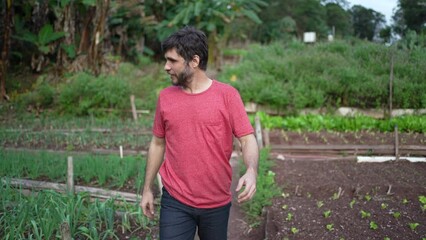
[199, 129]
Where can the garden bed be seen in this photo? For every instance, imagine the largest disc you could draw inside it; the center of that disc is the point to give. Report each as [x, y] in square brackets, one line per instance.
[343, 199]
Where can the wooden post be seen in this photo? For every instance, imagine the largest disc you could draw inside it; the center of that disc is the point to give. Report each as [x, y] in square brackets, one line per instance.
[391, 87]
[65, 231]
[396, 143]
[258, 132]
[266, 135]
[70, 176]
[121, 152]
[132, 102]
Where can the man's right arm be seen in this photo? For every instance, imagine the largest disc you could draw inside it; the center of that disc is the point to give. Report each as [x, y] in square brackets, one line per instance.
[155, 159]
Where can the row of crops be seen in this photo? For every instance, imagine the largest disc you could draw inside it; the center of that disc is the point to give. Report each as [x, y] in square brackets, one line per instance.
[39, 215]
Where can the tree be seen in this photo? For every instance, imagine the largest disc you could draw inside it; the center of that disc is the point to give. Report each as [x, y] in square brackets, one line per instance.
[366, 22]
[410, 14]
[4, 60]
[310, 16]
[213, 17]
[338, 18]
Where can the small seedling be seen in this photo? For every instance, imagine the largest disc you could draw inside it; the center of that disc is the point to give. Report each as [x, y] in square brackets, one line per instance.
[309, 195]
[365, 214]
[413, 226]
[285, 195]
[285, 206]
[386, 238]
[320, 204]
[289, 217]
[384, 205]
[373, 225]
[422, 200]
[352, 203]
[294, 230]
[327, 213]
[367, 197]
[330, 227]
[405, 201]
[396, 215]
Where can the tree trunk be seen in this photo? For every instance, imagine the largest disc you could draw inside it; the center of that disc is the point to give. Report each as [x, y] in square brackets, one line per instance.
[66, 24]
[4, 61]
[95, 57]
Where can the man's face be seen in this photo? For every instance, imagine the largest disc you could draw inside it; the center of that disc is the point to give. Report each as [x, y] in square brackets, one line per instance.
[178, 69]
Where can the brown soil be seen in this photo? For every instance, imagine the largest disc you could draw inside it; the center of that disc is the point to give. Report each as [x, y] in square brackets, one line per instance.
[314, 186]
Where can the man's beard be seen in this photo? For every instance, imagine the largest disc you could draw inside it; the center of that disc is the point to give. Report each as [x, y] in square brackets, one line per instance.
[183, 78]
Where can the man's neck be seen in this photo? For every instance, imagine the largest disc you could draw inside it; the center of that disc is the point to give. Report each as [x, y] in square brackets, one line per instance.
[199, 83]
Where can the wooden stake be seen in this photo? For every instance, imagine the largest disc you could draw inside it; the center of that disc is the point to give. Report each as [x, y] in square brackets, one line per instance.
[121, 152]
[70, 176]
[396, 143]
[391, 87]
[267, 140]
[132, 102]
[65, 231]
[258, 132]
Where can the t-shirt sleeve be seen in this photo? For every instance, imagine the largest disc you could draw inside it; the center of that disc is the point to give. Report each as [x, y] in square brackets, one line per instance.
[158, 126]
[240, 122]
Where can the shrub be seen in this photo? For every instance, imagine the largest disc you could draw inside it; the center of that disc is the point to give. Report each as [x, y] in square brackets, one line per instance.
[84, 94]
[295, 76]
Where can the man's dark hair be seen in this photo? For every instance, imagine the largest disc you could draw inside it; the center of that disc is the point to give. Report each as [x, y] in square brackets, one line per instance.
[188, 42]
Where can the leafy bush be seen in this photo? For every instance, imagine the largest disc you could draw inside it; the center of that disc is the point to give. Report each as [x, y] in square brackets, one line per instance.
[84, 94]
[295, 76]
[266, 188]
[42, 96]
[340, 124]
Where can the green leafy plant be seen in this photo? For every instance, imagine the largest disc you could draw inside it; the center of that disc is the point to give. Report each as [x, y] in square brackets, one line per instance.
[384, 205]
[330, 227]
[396, 215]
[294, 230]
[41, 40]
[327, 214]
[413, 226]
[365, 214]
[405, 201]
[352, 203]
[289, 217]
[373, 225]
[367, 197]
[422, 200]
[266, 187]
[320, 204]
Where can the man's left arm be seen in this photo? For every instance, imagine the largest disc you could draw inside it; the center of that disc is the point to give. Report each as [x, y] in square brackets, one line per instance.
[250, 152]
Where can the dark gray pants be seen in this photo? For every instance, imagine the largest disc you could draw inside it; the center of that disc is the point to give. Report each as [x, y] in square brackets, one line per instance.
[179, 221]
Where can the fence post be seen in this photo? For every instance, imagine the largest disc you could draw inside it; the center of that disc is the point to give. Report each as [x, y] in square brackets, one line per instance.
[132, 102]
[396, 143]
[65, 231]
[70, 176]
[258, 132]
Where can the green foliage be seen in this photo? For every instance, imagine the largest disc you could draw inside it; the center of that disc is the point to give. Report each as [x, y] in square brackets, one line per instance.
[88, 168]
[45, 36]
[41, 96]
[293, 76]
[84, 94]
[40, 216]
[315, 123]
[266, 188]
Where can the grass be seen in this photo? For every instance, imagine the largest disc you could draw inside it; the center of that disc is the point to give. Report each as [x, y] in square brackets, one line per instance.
[101, 170]
[39, 216]
[266, 188]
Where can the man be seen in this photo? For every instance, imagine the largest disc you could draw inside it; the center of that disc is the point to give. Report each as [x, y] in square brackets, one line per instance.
[194, 125]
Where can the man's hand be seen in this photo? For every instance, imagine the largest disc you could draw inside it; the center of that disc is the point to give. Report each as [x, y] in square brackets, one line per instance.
[147, 203]
[248, 180]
